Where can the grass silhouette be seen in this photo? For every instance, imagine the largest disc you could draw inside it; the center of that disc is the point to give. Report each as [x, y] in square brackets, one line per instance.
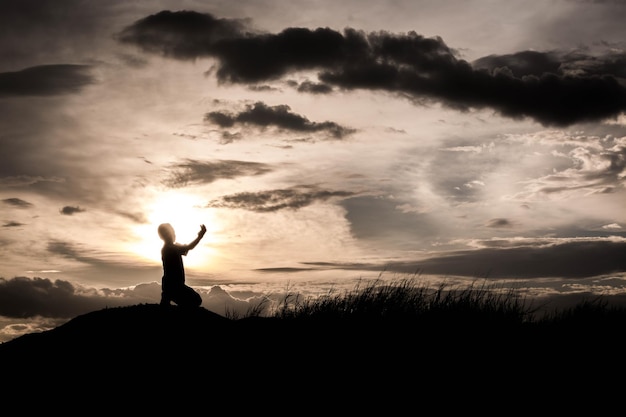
[406, 299]
[383, 347]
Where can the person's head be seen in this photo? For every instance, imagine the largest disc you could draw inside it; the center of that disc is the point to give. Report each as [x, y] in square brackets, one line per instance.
[167, 233]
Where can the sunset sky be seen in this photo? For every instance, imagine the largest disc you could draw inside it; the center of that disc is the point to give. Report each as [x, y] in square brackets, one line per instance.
[321, 143]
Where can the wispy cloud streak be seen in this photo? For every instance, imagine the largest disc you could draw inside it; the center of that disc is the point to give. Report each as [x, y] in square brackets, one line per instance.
[190, 171]
[274, 200]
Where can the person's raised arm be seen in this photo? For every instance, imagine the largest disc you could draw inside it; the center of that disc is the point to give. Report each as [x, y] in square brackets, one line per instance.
[195, 242]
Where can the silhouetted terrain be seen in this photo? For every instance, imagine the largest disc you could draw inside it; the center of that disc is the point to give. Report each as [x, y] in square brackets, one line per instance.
[359, 361]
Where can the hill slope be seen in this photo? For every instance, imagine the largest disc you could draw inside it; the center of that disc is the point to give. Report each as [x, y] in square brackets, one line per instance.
[159, 356]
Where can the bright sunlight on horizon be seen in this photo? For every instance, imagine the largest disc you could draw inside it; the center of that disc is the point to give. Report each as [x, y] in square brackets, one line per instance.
[185, 213]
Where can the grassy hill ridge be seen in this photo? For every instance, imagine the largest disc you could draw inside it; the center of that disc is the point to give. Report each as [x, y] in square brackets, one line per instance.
[383, 346]
[400, 312]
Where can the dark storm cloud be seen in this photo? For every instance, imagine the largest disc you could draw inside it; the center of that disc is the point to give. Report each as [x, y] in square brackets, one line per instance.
[281, 116]
[576, 63]
[574, 259]
[193, 172]
[30, 297]
[69, 210]
[551, 89]
[23, 297]
[275, 200]
[314, 88]
[45, 80]
[264, 87]
[181, 35]
[521, 63]
[19, 296]
[17, 202]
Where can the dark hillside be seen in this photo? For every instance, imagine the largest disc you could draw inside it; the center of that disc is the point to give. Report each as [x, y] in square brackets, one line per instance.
[114, 330]
[165, 354]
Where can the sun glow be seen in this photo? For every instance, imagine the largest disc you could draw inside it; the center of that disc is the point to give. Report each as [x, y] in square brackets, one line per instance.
[185, 213]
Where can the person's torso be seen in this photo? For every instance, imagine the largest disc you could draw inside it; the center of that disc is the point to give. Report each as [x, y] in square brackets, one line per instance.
[173, 269]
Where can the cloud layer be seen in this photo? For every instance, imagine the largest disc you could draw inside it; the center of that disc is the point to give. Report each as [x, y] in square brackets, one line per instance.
[46, 80]
[553, 90]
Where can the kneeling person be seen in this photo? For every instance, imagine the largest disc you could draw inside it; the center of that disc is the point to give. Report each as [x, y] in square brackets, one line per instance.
[173, 287]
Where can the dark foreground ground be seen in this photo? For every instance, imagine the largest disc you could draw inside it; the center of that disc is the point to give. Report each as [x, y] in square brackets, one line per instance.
[147, 358]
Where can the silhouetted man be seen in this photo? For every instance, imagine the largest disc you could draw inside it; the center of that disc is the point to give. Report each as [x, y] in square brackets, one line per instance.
[173, 287]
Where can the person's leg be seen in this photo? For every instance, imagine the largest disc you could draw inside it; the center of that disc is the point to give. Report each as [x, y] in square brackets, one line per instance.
[165, 299]
[189, 298]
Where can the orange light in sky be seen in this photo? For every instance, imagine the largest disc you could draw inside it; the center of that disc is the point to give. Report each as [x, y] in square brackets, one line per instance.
[185, 213]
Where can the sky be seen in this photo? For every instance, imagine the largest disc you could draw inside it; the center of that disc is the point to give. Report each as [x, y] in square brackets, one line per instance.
[323, 144]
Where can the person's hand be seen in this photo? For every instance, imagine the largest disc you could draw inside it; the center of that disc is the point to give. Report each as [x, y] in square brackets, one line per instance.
[202, 230]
